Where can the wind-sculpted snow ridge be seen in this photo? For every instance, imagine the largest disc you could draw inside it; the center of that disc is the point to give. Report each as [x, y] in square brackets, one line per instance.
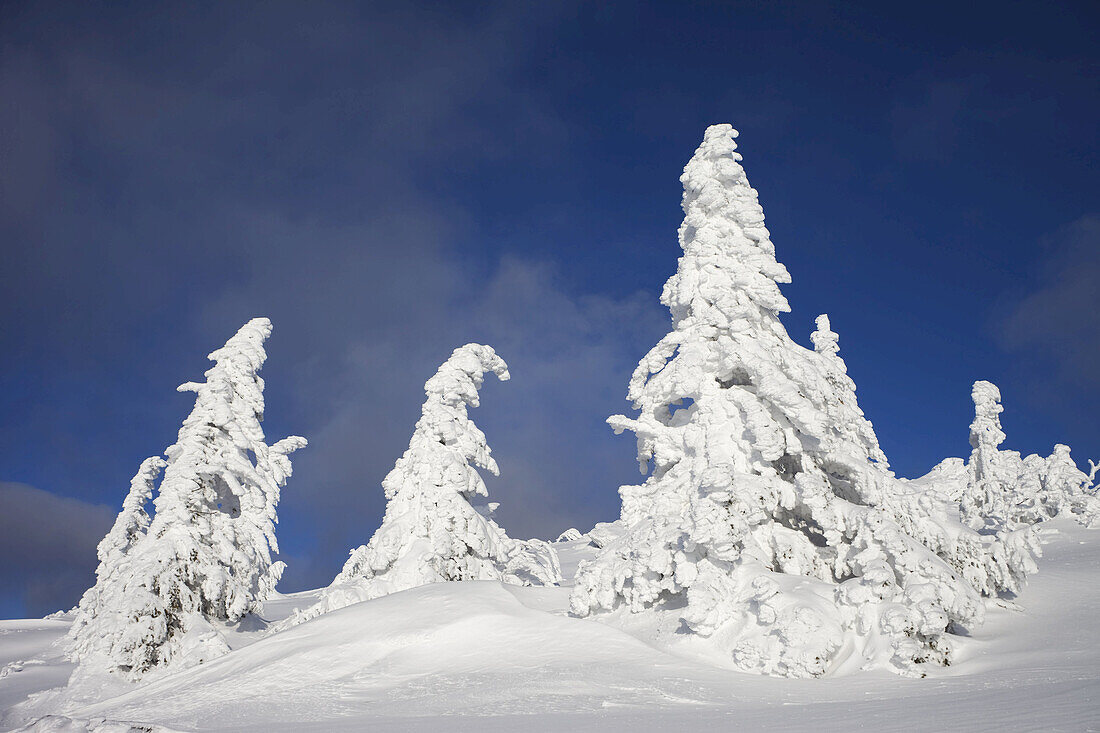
[1006, 492]
[431, 533]
[770, 522]
[205, 558]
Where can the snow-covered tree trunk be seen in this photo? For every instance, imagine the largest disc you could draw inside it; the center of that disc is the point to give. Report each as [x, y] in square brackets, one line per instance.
[206, 556]
[769, 521]
[431, 532]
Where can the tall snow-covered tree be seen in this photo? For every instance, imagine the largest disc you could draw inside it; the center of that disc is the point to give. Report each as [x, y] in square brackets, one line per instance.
[431, 532]
[993, 473]
[205, 559]
[764, 524]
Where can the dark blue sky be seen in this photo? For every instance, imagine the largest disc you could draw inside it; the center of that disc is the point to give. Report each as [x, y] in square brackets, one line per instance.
[387, 182]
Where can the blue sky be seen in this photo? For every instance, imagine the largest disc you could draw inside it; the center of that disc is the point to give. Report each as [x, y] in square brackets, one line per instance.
[387, 182]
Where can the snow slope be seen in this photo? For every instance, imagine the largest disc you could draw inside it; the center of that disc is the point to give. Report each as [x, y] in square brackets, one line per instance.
[489, 657]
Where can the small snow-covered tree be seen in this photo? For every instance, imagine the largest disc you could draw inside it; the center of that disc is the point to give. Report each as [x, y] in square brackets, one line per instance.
[133, 520]
[840, 404]
[990, 566]
[769, 522]
[431, 532]
[130, 526]
[1068, 489]
[1005, 491]
[205, 558]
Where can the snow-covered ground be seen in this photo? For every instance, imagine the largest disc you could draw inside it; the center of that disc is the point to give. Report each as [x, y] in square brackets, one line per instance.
[483, 656]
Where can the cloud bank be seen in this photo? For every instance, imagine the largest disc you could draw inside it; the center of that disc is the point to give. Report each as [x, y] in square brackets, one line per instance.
[48, 545]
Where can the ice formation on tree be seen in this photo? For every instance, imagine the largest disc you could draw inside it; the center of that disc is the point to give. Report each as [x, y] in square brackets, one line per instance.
[770, 522]
[431, 532]
[205, 558]
[1005, 491]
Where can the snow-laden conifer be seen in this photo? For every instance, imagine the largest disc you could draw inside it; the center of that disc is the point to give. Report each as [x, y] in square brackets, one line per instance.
[764, 524]
[990, 497]
[205, 558]
[132, 522]
[840, 403]
[130, 526]
[431, 532]
[1068, 489]
[1005, 491]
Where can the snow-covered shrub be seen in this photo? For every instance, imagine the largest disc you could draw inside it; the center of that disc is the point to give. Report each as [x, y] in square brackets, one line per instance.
[205, 558]
[770, 522]
[431, 532]
[1066, 488]
[1005, 491]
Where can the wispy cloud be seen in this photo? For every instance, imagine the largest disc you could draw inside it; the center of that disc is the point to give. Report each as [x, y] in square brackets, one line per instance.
[47, 543]
[1058, 323]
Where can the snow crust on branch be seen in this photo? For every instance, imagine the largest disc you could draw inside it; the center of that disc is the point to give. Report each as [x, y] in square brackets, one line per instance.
[431, 532]
[570, 535]
[770, 522]
[204, 559]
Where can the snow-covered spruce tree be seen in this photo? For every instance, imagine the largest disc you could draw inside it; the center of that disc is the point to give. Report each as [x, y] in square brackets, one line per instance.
[130, 526]
[840, 404]
[431, 532]
[1006, 491]
[761, 525]
[990, 499]
[206, 556]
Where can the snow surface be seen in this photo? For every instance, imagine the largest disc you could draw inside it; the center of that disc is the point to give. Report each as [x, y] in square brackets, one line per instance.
[484, 656]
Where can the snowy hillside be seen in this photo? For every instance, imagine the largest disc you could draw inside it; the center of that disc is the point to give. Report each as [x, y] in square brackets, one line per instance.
[483, 656]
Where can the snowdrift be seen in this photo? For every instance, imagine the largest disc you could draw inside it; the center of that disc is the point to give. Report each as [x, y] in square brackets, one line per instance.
[490, 657]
